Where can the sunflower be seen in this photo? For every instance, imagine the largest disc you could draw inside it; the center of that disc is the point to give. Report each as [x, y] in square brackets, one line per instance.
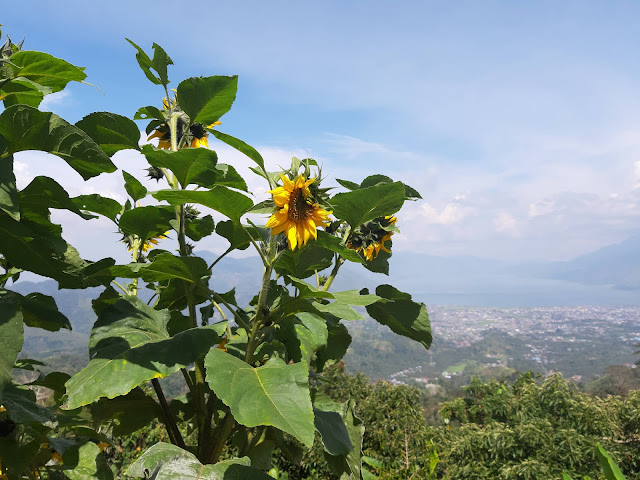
[298, 216]
[147, 245]
[372, 237]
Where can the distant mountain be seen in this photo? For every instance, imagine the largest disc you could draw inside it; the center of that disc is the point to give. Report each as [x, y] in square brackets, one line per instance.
[617, 265]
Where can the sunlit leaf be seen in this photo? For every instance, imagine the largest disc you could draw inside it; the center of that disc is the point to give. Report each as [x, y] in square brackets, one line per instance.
[190, 165]
[360, 206]
[98, 204]
[168, 462]
[130, 345]
[84, 462]
[206, 99]
[274, 394]
[239, 145]
[228, 202]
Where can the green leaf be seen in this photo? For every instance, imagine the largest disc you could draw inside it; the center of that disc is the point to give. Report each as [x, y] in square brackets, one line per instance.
[332, 429]
[360, 206]
[11, 335]
[53, 381]
[21, 405]
[159, 63]
[303, 335]
[37, 246]
[236, 235]
[38, 74]
[402, 315]
[206, 99]
[229, 177]
[129, 345]
[339, 310]
[111, 131]
[98, 204]
[353, 297]
[380, 264]
[133, 187]
[228, 202]
[44, 193]
[85, 462]
[351, 463]
[199, 228]
[274, 394]
[305, 261]
[147, 222]
[239, 145]
[127, 413]
[566, 477]
[609, 467]
[189, 165]
[41, 311]
[168, 462]
[165, 266]
[349, 185]
[16, 457]
[338, 342]
[147, 113]
[335, 245]
[22, 90]
[26, 128]
[8, 192]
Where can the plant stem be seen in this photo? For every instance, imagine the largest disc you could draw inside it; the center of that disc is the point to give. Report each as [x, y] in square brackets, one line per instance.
[334, 272]
[228, 250]
[169, 421]
[220, 435]
[126, 292]
[236, 315]
[262, 298]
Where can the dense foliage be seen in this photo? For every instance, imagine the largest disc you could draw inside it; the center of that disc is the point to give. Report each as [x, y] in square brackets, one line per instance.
[246, 367]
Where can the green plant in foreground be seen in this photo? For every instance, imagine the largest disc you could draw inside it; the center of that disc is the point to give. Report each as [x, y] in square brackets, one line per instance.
[246, 367]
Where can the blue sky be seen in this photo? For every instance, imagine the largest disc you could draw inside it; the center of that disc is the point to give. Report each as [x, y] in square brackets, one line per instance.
[519, 122]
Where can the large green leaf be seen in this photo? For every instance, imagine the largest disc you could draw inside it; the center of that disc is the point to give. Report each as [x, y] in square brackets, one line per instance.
[169, 462]
[239, 145]
[189, 165]
[38, 74]
[21, 405]
[11, 335]
[331, 426]
[609, 467]
[274, 394]
[199, 228]
[229, 177]
[129, 345]
[236, 235]
[147, 222]
[8, 192]
[303, 335]
[338, 342]
[85, 462]
[111, 131]
[127, 413]
[360, 206]
[335, 245]
[37, 246]
[98, 204]
[165, 266]
[44, 193]
[206, 99]
[27, 128]
[17, 456]
[351, 463]
[305, 261]
[41, 311]
[159, 63]
[228, 202]
[401, 314]
[22, 90]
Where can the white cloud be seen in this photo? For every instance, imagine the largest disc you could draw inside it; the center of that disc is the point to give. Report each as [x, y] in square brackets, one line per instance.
[450, 214]
[505, 223]
[54, 100]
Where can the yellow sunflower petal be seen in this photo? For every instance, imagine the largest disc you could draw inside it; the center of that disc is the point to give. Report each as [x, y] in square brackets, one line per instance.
[292, 237]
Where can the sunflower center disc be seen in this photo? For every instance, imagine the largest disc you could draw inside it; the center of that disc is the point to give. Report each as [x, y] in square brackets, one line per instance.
[299, 208]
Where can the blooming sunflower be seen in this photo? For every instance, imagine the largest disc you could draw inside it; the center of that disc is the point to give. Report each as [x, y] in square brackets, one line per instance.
[298, 216]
